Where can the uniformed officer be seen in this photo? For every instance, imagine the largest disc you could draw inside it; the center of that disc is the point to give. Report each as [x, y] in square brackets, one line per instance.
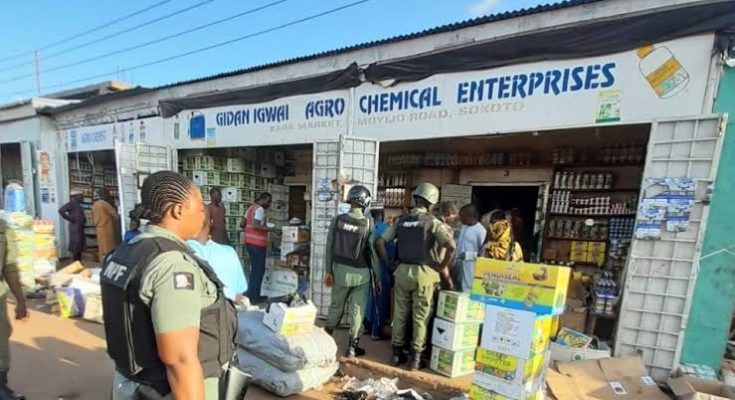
[350, 260]
[423, 247]
[8, 280]
[170, 330]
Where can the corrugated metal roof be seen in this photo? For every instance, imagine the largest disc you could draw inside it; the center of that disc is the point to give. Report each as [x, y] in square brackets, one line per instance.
[427, 32]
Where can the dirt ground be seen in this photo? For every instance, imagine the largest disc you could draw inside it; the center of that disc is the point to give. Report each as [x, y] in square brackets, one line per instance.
[65, 359]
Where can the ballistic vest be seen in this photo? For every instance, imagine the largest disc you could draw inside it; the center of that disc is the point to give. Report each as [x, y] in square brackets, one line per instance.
[351, 241]
[415, 240]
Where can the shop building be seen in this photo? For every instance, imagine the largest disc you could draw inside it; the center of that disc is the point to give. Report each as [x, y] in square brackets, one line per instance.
[505, 112]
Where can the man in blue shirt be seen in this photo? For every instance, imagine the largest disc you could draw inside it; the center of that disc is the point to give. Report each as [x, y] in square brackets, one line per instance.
[223, 260]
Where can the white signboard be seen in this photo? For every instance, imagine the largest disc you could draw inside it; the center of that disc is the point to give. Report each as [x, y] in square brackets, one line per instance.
[666, 79]
[291, 120]
[102, 137]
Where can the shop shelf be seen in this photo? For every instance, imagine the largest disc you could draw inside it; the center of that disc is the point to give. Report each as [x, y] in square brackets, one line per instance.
[577, 239]
[592, 215]
[613, 190]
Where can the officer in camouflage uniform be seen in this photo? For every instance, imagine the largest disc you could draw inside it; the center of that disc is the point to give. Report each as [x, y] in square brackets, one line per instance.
[351, 259]
[424, 246]
[10, 281]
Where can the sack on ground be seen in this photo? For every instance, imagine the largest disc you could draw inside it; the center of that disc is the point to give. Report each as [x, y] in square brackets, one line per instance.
[287, 353]
[282, 383]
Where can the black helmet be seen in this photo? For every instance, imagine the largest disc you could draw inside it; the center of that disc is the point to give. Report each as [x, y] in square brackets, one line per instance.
[359, 195]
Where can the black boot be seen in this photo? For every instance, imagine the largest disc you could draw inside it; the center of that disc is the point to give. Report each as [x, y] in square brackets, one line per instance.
[353, 350]
[7, 393]
[398, 356]
[416, 364]
[329, 331]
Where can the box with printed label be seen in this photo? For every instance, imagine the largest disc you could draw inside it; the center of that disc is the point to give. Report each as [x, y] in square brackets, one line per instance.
[294, 234]
[235, 165]
[507, 389]
[458, 307]
[523, 286]
[231, 194]
[286, 320]
[288, 248]
[515, 332]
[453, 336]
[452, 363]
[279, 282]
[580, 246]
[480, 393]
[510, 369]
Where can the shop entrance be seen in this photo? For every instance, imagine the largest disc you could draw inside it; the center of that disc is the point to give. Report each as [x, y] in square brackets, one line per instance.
[520, 201]
[89, 172]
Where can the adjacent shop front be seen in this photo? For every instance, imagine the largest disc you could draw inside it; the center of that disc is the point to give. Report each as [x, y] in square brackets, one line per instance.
[293, 148]
[573, 150]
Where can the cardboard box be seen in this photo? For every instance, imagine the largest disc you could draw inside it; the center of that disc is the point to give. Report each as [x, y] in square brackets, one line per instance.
[579, 247]
[523, 286]
[93, 308]
[279, 282]
[574, 320]
[231, 194]
[562, 353]
[453, 336]
[288, 248]
[690, 388]
[624, 378]
[458, 307]
[290, 320]
[294, 234]
[235, 165]
[515, 332]
[507, 389]
[480, 393]
[452, 363]
[509, 369]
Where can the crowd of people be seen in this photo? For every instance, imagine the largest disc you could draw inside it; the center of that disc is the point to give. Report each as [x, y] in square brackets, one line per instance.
[169, 288]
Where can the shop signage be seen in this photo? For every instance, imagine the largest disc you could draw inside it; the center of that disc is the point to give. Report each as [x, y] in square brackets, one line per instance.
[665, 80]
[297, 119]
[102, 137]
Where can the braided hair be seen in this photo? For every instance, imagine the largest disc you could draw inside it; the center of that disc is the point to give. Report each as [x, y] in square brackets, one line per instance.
[161, 191]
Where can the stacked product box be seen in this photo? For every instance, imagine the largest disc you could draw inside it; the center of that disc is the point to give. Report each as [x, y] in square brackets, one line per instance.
[521, 301]
[455, 334]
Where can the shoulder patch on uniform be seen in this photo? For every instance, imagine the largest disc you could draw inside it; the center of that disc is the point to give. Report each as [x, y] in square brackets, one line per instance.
[183, 280]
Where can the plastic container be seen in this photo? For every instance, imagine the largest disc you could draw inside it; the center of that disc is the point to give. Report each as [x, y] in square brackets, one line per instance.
[15, 198]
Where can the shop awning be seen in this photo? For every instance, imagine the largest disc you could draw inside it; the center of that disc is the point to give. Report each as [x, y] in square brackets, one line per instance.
[579, 41]
[346, 78]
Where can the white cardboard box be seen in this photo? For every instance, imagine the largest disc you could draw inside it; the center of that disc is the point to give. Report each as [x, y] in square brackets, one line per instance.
[515, 332]
[290, 320]
[453, 336]
[504, 388]
[231, 194]
[294, 234]
[279, 282]
[287, 248]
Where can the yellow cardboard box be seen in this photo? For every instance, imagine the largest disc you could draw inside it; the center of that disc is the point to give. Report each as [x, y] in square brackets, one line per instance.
[480, 393]
[523, 286]
[511, 390]
[515, 332]
[580, 246]
[290, 320]
[452, 363]
[510, 369]
[458, 307]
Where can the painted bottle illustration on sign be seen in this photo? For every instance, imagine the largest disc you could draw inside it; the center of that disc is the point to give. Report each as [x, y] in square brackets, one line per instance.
[197, 126]
[141, 131]
[662, 70]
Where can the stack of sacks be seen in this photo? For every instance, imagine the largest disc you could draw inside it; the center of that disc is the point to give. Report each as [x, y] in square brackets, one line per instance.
[455, 334]
[285, 364]
[31, 245]
[521, 302]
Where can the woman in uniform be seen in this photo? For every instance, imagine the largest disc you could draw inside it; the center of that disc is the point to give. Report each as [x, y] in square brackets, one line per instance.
[170, 330]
